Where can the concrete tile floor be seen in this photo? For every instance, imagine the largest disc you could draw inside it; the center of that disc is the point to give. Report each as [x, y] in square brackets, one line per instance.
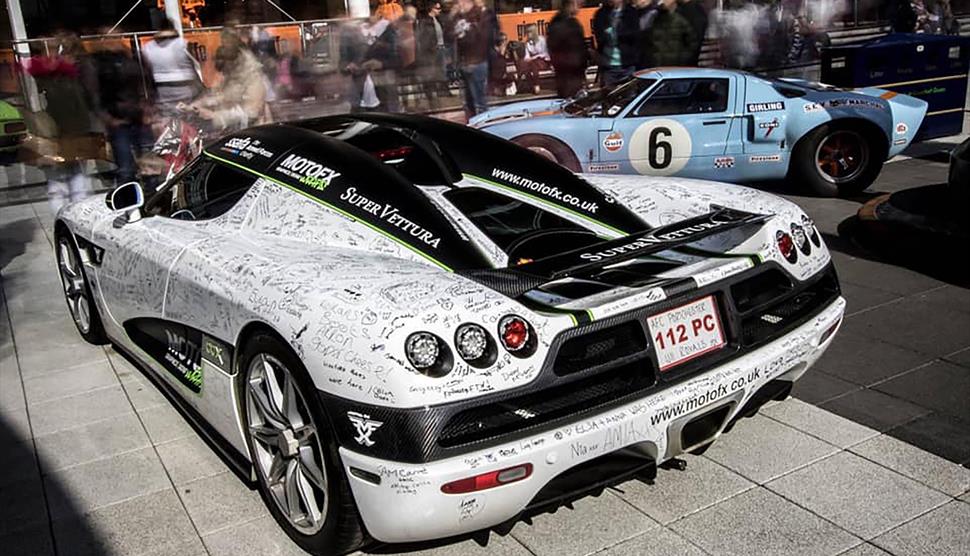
[96, 461]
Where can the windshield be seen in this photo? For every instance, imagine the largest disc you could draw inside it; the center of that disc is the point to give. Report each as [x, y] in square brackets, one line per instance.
[608, 101]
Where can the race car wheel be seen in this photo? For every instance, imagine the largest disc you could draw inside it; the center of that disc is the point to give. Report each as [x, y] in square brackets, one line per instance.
[77, 291]
[553, 149]
[836, 160]
[293, 451]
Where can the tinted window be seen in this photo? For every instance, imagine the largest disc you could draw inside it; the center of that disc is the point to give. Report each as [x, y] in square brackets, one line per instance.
[204, 190]
[686, 96]
[609, 101]
[516, 227]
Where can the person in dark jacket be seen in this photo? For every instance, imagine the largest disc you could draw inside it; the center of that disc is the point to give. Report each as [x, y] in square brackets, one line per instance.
[902, 15]
[567, 49]
[670, 40]
[471, 28]
[615, 28]
[695, 14]
[430, 44]
[120, 106]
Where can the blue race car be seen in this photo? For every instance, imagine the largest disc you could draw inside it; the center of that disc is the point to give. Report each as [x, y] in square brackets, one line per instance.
[718, 124]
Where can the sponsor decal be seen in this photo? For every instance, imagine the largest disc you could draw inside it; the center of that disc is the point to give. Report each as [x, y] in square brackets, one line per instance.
[613, 142]
[660, 147]
[765, 106]
[307, 172]
[704, 398]
[365, 427]
[184, 358]
[853, 103]
[760, 158]
[812, 107]
[901, 128]
[604, 167]
[769, 126]
[215, 353]
[724, 162]
[389, 214]
[668, 234]
[549, 191]
[899, 142]
[246, 147]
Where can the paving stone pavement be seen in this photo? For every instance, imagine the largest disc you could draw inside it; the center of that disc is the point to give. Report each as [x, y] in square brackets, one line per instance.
[96, 461]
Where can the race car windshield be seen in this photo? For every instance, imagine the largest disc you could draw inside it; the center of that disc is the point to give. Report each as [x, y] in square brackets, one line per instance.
[521, 230]
[608, 101]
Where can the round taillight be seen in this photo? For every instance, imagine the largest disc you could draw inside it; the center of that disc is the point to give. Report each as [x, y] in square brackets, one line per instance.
[514, 333]
[801, 239]
[471, 341]
[423, 350]
[786, 246]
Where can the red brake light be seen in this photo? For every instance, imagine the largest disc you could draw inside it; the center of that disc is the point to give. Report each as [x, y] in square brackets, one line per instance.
[786, 246]
[488, 480]
[514, 332]
[398, 152]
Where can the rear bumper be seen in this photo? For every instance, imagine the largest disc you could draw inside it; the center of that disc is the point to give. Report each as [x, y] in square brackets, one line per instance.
[408, 504]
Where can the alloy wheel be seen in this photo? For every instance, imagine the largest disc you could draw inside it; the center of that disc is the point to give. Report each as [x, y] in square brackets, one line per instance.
[287, 447]
[842, 156]
[75, 287]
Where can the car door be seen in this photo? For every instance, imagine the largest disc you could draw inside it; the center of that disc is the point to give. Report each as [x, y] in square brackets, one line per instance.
[137, 267]
[682, 126]
[138, 255]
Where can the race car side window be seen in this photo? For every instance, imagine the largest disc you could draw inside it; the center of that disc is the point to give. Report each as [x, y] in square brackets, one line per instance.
[205, 190]
[685, 96]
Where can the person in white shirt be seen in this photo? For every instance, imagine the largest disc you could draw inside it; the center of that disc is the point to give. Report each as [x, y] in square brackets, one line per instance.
[174, 71]
[535, 58]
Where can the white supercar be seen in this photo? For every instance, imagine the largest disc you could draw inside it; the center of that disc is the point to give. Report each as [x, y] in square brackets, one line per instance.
[403, 329]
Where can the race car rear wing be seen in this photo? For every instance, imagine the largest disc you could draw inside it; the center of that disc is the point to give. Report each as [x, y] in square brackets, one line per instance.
[515, 281]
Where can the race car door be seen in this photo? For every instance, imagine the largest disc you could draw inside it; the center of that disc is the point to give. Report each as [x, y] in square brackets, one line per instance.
[680, 121]
[138, 255]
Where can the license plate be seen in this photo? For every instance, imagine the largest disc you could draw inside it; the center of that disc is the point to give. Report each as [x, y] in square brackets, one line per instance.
[683, 333]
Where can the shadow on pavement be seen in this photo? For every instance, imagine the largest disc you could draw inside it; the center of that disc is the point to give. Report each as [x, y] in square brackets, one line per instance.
[15, 237]
[28, 504]
[940, 258]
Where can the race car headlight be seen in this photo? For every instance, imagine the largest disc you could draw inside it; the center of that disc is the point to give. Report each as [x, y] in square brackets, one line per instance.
[516, 335]
[786, 246]
[428, 354]
[474, 344]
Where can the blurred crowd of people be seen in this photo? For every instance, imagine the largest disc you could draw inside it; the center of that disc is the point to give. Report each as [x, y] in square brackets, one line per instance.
[101, 96]
[924, 16]
[405, 56]
[427, 47]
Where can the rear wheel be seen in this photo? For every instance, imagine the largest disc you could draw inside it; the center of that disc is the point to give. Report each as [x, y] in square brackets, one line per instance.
[293, 451]
[837, 160]
[77, 291]
[553, 149]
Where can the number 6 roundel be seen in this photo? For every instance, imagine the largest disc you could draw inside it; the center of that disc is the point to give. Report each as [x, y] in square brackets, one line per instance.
[660, 147]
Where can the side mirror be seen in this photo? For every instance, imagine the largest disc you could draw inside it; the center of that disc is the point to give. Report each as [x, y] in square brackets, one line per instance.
[128, 198]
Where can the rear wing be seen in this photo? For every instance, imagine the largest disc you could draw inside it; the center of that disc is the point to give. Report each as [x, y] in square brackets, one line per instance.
[515, 281]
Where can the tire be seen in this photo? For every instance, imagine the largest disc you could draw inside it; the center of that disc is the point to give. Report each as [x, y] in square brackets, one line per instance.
[334, 525]
[550, 148]
[837, 160]
[77, 291]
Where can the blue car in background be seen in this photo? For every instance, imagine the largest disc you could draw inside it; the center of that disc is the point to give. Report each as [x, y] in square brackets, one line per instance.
[718, 124]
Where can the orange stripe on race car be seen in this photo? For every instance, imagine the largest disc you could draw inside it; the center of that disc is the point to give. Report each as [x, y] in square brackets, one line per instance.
[888, 95]
[545, 113]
